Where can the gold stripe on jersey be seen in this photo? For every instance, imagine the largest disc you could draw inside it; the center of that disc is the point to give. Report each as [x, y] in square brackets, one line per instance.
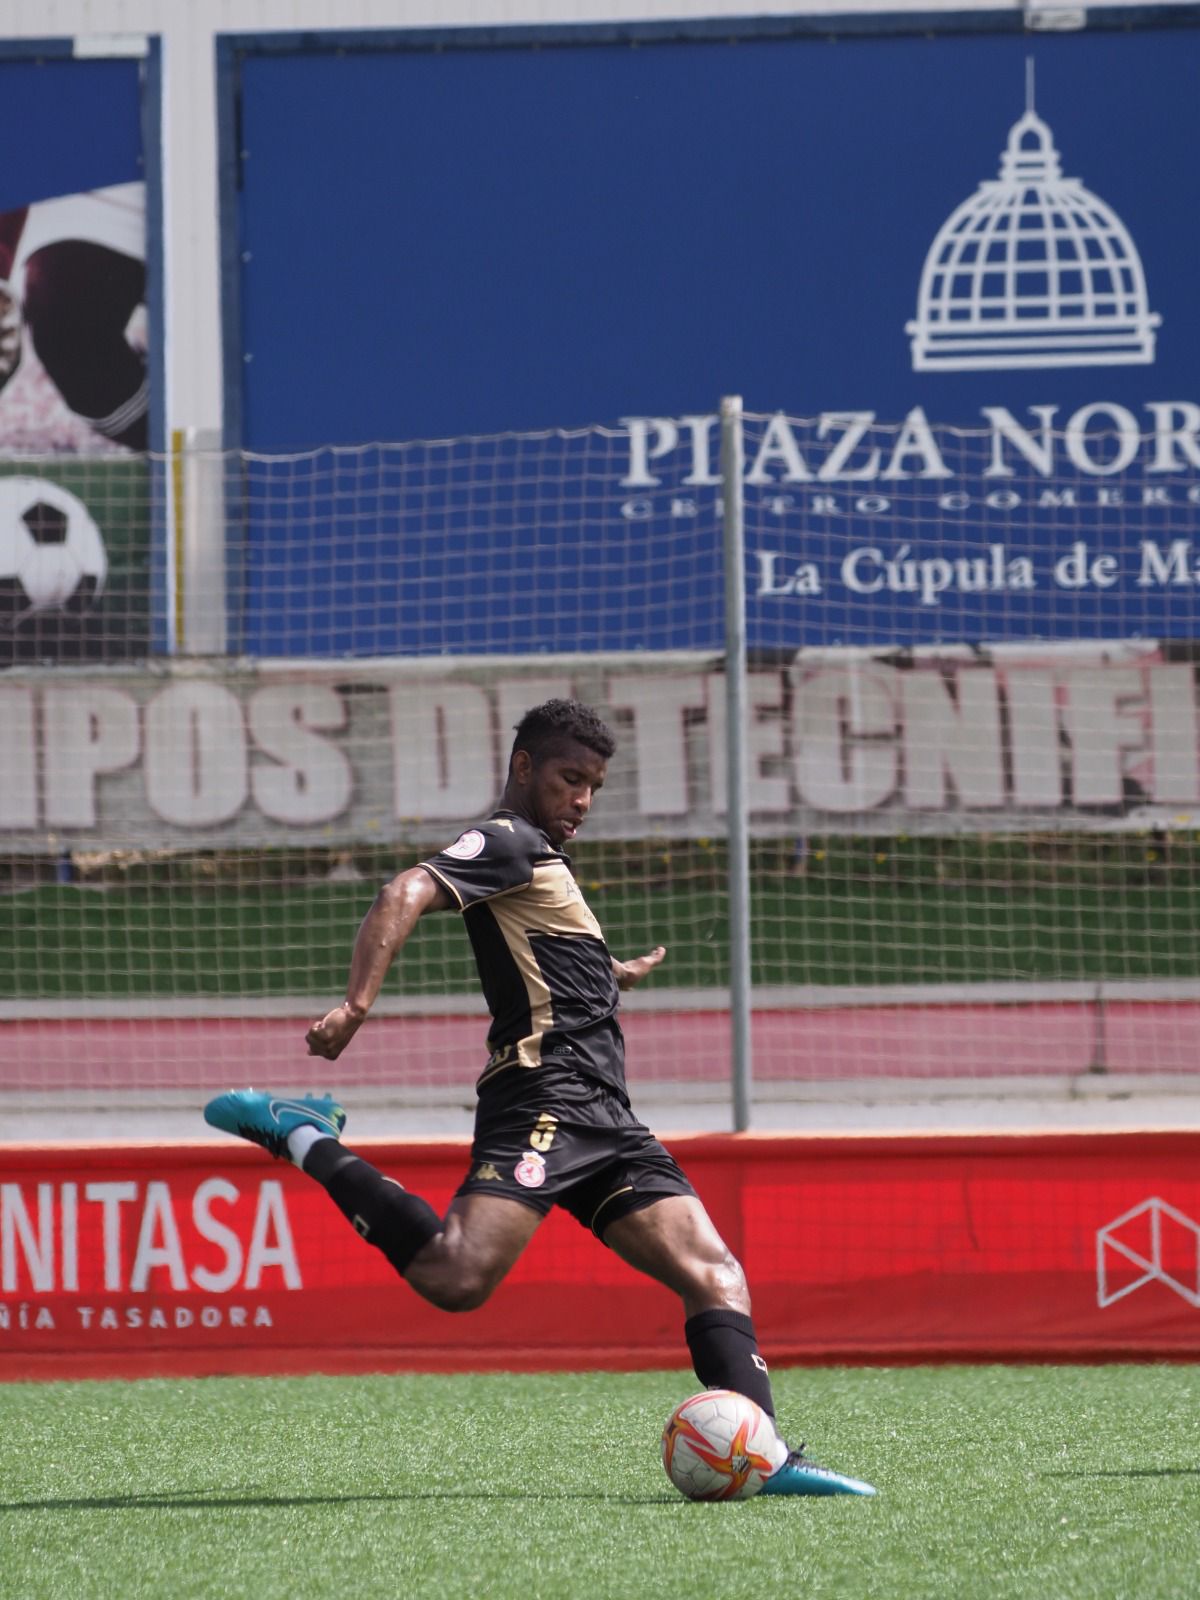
[552, 905]
[487, 900]
[541, 1012]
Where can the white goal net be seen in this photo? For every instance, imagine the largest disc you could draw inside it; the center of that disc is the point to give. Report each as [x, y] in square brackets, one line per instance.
[972, 755]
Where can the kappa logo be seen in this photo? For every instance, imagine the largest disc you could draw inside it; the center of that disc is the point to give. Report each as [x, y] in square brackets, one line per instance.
[1152, 1243]
[1033, 270]
[485, 1172]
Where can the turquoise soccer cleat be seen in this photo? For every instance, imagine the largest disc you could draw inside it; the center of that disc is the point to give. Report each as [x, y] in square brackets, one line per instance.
[267, 1119]
[799, 1475]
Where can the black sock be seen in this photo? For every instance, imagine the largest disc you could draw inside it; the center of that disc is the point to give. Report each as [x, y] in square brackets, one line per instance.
[386, 1215]
[725, 1355]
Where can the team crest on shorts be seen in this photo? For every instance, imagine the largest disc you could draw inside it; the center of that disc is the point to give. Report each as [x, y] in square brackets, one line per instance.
[530, 1170]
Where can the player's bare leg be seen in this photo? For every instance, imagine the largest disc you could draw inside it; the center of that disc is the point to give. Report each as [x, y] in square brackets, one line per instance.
[482, 1236]
[675, 1242]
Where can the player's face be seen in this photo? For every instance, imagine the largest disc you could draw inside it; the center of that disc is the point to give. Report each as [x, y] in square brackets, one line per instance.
[561, 788]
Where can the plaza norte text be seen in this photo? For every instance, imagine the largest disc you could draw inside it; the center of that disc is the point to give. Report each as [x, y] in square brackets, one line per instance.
[1097, 440]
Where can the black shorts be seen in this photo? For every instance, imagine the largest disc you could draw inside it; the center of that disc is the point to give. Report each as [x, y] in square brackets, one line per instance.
[549, 1138]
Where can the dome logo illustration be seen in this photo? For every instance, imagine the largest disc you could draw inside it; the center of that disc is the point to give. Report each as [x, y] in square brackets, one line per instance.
[1033, 270]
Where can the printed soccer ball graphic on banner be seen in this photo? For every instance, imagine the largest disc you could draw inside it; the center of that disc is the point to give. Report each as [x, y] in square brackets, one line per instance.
[719, 1445]
[52, 558]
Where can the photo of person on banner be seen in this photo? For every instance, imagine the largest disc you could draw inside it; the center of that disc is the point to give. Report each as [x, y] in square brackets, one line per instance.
[73, 371]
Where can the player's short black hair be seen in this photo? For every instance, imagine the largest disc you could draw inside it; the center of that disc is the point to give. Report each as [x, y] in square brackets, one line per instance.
[547, 729]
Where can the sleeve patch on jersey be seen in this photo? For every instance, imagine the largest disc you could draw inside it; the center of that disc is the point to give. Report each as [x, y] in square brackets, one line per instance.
[467, 846]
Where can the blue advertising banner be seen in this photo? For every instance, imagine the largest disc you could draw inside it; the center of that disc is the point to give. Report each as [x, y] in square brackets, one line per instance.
[952, 275]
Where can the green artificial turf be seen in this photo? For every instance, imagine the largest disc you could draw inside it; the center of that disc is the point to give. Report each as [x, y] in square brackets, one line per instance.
[181, 940]
[1033, 1483]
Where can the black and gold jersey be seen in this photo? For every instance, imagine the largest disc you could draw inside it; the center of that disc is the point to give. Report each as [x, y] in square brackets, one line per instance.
[545, 969]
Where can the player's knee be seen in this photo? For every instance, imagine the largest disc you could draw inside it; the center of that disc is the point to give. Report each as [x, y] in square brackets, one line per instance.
[466, 1292]
[722, 1282]
[454, 1279]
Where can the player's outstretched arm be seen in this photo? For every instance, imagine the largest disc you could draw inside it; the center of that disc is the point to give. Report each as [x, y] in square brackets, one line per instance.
[629, 973]
[393, 915]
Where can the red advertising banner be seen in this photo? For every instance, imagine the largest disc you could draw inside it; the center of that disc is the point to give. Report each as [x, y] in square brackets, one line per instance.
[192, 1258]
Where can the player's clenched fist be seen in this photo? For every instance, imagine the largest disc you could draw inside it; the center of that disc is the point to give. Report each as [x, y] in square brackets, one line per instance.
[333, 1033]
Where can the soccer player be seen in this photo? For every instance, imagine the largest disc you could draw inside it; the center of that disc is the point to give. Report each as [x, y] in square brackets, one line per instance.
[553, 1124]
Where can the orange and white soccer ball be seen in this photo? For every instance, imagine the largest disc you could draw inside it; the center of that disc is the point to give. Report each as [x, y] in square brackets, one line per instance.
[719, 1445]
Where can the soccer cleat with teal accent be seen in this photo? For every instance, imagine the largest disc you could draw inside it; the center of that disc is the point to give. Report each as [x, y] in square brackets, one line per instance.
[799, 1475]
[267, 1119]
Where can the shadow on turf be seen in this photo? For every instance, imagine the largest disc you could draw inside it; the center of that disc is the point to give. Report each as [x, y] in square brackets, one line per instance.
[198, 1500]
[1130, 1472]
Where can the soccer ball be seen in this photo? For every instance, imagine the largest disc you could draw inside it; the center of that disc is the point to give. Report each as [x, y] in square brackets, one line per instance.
[719, 1445]
[52, 558]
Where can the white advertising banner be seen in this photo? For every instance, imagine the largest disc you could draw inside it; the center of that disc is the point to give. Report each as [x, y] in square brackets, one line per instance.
[959, 740]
